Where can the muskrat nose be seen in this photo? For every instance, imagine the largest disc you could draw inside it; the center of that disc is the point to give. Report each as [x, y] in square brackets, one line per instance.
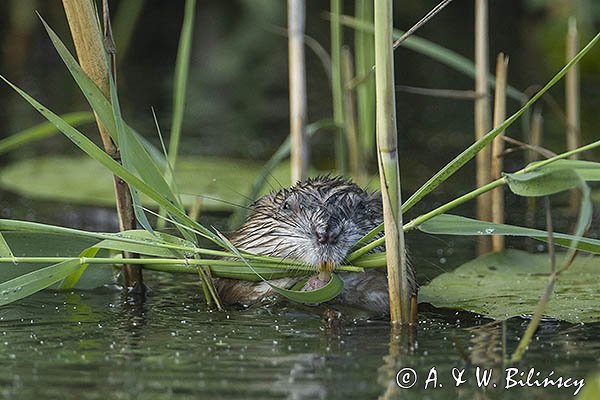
[326, 234]
[322, 236]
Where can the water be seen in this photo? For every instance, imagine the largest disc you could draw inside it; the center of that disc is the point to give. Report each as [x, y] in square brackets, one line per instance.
[98, 344]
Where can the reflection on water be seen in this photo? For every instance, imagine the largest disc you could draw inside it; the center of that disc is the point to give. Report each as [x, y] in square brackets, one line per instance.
[98, 345]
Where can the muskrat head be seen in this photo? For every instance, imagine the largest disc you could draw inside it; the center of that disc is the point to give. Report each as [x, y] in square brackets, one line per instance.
[316, 221]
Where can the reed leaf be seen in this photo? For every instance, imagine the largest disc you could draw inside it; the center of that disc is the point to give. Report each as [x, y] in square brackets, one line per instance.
[28, 284]
[449, 169]
[139, 158]
[117, 169]
[42, 131]
[180, 81]
[542, 182]
[448, 224]
[71, 280]
[124, 144]
[434, 51]
[5, 250]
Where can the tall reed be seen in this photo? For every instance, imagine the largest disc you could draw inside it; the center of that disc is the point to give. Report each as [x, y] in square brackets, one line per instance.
[482, 115]
[336, 86]
[389, 171]
[355, 156]
[364, 59]
[297, 77]
[498, 148]
[572, 94]
[84, 24]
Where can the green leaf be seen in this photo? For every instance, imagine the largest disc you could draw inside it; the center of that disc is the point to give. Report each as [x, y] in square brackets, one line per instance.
[221, 186]
[449, 169]
[44, 244]
[28, 284]
[124, 145]
[70, 281]
[89, 89]
[117, 169]
[332, 289]
[434, 51]
[144, 242]
[542, 182]
[328, 292]
[42, 130]
[5, 250]
[181, 77]
[447, 224]
[587, 170]
[247, 274]
[508, 284]
[134, 155]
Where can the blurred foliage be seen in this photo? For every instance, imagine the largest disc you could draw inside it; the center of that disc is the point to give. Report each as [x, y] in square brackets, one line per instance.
[237, 101]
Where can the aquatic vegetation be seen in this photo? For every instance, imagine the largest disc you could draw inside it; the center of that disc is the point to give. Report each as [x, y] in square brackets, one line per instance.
[150, 175]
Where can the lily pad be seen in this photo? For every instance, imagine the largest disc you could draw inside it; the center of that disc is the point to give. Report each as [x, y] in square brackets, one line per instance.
[221, 183]
[509, 284]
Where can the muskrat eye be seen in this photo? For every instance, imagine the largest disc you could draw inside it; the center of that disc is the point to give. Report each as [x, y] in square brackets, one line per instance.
[286, 205]
[361, 205]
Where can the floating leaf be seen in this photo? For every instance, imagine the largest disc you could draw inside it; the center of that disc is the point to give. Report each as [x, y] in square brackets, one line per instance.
[508, 284]
[221, 185]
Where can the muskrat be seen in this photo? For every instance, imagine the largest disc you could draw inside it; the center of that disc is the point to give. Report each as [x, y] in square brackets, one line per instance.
[316, 221]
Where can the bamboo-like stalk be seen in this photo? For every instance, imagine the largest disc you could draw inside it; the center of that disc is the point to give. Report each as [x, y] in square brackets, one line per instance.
[297, 77]
[365, 90]
[498, 148]
[355, 161]
[400, 289]
[482, 115]
[572, 99]
[83, 23]
[336, 86]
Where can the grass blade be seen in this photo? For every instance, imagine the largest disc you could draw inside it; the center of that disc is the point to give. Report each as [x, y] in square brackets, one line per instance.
[99, 155]
[42, 130]
[28, 284]
[70, 281]
[140, 159]
[448, 224]
[460, 160]
[5, 250]
[434, 51]
[181, 77]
